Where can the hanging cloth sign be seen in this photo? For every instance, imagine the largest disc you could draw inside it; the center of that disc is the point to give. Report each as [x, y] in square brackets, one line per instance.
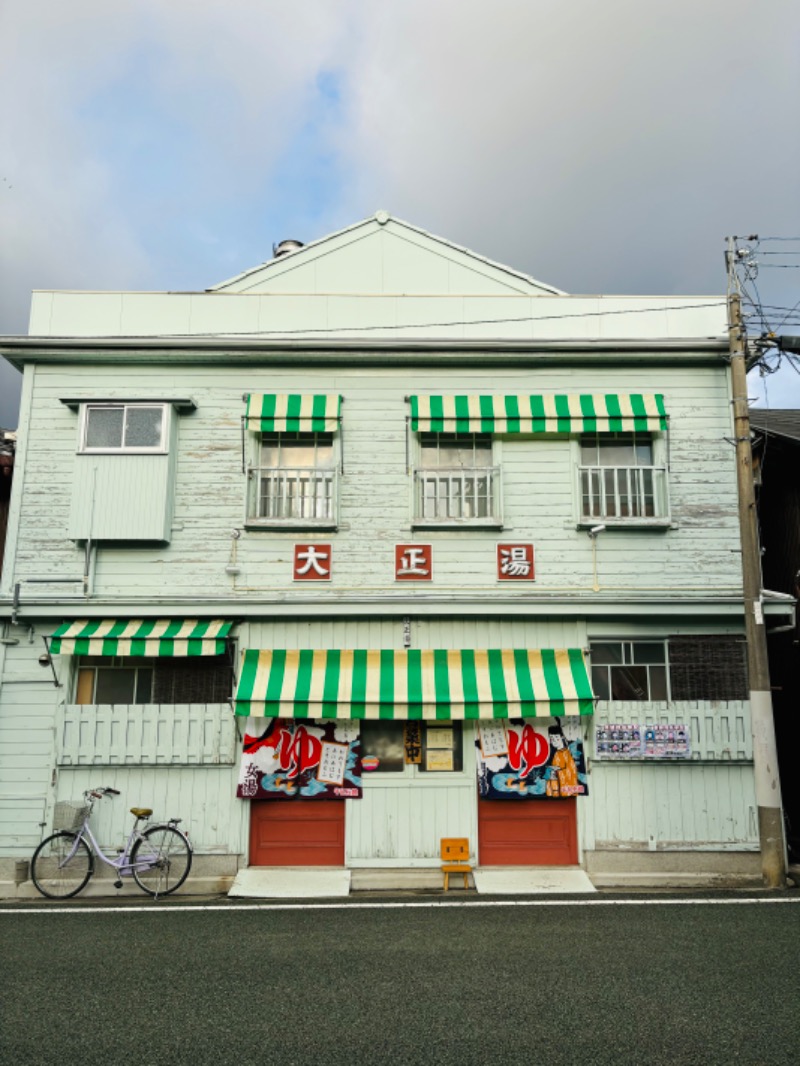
[286, 759]
[519, 761]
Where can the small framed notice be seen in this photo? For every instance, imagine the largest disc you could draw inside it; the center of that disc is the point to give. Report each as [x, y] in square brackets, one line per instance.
[493, 739]
[439, 738]
[332, 762]
[438, 759]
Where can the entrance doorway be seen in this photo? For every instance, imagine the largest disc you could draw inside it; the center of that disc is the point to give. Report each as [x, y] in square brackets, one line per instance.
[527, 833]
[297, 833]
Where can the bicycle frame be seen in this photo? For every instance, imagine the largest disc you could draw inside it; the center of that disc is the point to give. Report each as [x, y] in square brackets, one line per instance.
[122, 864]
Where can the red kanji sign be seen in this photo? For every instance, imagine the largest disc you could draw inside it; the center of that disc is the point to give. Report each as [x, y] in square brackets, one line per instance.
[515, 562]
[412, 562]
[312, 562]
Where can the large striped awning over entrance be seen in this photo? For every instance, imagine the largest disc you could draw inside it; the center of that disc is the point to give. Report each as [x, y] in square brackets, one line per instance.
[270, 412]
[162, 638]
[584, 413]
[414, 684]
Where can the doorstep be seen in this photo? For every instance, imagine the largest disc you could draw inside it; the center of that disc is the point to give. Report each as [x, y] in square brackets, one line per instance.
[532, 880]
[291, 882]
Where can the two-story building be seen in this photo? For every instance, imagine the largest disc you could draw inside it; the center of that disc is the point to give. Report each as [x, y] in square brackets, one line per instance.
[377, 543]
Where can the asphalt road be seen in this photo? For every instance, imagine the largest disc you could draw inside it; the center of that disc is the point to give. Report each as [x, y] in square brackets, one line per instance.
[635, 983]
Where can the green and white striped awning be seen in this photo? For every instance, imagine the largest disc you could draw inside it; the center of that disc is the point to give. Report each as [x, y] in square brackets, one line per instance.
[584, 413]
[161, 638]
[414, 684]
[269, 412]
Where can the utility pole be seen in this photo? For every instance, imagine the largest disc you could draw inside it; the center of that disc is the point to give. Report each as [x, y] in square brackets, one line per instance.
[765, 752]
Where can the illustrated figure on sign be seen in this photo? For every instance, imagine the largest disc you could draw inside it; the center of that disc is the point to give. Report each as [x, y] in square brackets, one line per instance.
[562, 778]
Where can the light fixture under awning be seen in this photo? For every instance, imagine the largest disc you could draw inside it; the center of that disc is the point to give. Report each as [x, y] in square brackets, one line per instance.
[159, 638]
[414, 684]
[579, 413]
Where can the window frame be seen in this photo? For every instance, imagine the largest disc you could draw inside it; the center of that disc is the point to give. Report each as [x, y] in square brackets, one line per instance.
[631, 642]
[124, 405]
[662, 519]
[416, 773]
[254, 469]
[493, 471]
[111, 663]
[152, 664]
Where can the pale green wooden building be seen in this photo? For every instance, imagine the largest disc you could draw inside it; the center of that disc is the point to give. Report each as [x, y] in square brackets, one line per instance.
[380, 443]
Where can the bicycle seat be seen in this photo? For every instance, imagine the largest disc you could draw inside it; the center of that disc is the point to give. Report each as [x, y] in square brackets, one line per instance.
[142, 812]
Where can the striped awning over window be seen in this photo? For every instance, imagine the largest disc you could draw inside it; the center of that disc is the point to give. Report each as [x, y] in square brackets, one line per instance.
[168, 637]
[271, 412]
[584, 413]
[414, 684]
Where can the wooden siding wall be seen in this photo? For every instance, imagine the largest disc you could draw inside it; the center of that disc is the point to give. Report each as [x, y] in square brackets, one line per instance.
[51, 750]
[28, 708]
[539, 475]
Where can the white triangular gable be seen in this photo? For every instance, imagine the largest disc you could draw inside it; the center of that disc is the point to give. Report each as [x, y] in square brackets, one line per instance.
[384, 255]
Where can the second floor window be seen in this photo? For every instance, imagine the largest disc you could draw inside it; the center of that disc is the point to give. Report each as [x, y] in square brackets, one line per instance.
[124, 428]
[619, 479]
[455, 480]
[295, 480]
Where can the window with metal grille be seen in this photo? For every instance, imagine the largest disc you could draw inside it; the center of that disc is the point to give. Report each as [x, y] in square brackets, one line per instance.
[708, 667]
[619, 479]
[455, 480]
[295, 480]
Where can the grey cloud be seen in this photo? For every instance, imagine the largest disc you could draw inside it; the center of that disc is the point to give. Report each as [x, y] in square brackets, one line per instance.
[601, 148]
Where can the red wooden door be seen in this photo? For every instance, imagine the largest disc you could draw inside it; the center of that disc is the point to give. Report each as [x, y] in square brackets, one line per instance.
[295, 833]
[527, 832]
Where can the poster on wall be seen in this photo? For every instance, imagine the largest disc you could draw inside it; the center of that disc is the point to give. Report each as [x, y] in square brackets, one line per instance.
[541, 761]
[287, 758]
[638, 740]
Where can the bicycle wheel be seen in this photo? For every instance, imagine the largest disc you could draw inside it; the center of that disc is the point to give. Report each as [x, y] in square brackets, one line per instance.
[61, 865]
[170, 858]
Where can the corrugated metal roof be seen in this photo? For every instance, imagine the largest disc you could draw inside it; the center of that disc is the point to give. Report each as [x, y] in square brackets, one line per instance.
[777, 422]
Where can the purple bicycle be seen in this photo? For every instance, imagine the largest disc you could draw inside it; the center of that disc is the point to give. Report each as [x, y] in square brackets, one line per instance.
[158, 856]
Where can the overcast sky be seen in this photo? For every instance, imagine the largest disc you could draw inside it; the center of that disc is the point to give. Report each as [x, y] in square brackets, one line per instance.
[600, 147]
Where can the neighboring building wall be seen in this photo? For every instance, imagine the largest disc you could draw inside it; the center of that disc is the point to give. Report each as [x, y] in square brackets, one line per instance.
[779, 521]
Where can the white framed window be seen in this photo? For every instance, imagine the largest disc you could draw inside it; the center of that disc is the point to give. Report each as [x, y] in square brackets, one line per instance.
[294, 480]
[125, 427]
[620, 479]
[456, 481]
[630, 669]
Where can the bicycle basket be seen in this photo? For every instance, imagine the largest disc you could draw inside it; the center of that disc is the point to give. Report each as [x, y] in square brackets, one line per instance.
[69, 815]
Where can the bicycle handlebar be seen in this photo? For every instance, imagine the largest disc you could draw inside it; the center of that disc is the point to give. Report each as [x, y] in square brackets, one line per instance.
[98, 793]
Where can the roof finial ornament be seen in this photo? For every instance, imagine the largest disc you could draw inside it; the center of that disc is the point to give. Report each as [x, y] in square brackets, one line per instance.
[381, 217]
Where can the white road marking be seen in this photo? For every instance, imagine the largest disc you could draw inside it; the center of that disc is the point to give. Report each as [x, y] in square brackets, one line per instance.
[188, 908]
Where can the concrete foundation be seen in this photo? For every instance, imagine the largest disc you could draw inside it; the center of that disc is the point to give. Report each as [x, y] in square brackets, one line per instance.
[619, 869]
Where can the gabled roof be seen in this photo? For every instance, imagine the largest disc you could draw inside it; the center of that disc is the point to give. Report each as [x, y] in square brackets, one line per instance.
[384, 255]
[776, 422]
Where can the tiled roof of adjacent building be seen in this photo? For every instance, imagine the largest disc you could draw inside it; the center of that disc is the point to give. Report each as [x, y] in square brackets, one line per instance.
[778, 422]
